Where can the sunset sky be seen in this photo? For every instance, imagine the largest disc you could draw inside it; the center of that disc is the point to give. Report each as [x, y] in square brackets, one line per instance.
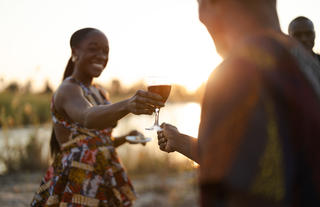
[147, 37]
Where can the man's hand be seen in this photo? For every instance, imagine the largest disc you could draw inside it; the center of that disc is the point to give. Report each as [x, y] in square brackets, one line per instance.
[167, 138]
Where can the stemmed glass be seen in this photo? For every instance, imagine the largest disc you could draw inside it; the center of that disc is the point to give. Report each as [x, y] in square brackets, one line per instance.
[162, 86]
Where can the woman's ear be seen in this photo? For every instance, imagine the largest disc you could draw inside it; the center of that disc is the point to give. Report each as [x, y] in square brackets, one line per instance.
[74, 56]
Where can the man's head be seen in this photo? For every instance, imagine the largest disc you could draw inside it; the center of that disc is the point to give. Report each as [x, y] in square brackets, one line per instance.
[229, 21]
[302, 29]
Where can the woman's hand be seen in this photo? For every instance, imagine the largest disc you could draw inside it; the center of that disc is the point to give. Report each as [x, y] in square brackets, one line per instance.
[135, 133]
[168, 138]
[144, 102]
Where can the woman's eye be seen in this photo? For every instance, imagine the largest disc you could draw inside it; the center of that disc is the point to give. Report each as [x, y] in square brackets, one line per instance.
[93, 49]
[310, 33]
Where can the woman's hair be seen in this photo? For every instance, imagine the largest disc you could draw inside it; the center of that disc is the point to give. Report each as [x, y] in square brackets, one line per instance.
[76, 38]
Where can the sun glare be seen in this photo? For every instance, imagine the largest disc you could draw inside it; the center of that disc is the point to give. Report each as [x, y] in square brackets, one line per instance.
[192, 81]
[178, 45]
[197, 75]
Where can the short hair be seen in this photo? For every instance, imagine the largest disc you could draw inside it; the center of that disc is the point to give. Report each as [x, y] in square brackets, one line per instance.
[298, 19]
[249, 2]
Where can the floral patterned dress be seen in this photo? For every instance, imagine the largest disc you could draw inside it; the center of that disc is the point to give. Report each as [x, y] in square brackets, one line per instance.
[87, 170]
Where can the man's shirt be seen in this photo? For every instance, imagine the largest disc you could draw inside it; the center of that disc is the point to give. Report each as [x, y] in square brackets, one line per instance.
[259, 136]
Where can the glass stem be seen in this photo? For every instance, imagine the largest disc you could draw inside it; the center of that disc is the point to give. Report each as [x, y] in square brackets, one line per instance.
[156, 122]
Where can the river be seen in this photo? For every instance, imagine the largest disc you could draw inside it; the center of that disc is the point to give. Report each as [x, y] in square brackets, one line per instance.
[185, 116]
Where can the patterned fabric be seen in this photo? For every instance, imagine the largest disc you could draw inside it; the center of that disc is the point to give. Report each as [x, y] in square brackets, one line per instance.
[260, 128]
[87, 171]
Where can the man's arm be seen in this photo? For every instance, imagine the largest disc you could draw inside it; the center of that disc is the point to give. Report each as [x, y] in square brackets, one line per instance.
[170, 140]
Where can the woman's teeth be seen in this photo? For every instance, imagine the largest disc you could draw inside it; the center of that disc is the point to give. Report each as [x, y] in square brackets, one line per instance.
[97, 65]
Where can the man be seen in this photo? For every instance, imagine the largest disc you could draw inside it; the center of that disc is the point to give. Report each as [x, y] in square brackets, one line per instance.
[260, 120]
[302, 29]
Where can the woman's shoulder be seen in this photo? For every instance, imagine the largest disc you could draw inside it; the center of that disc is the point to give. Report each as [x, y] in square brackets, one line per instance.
[68, 85]
[102, 91]
[68, 88]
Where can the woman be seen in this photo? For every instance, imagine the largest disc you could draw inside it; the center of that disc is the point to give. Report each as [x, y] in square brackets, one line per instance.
[86, 170]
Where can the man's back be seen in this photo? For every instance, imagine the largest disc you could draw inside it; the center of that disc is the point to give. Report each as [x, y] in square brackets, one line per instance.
[259, 129]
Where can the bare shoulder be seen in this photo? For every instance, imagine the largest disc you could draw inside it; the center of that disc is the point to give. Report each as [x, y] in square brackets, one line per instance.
[100, 87]
[67, 90]
[103, 91]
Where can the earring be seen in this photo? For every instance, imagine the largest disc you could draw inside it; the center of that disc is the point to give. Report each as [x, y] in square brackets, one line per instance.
[74, 58]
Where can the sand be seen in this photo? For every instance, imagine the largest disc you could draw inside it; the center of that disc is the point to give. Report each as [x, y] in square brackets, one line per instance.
[174, 190]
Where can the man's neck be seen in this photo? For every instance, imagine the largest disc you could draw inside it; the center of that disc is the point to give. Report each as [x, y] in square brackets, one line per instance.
[262, 21]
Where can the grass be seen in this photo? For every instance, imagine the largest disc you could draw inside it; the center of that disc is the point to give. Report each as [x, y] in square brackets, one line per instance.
[18, 109]
[21, 109]
[24, 158]
[146, 162]
[29, 158]
[160, 179]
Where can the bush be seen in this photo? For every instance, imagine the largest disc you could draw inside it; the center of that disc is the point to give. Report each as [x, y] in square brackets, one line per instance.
[18, 109]
[24, 158]
[146, 161]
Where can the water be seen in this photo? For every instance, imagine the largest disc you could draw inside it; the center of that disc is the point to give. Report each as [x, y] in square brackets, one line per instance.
[185, 116]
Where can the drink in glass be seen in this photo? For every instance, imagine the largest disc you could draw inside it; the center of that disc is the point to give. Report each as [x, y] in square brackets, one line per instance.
[163, 90]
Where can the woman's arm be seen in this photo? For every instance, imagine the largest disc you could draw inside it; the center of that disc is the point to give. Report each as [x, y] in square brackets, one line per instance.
[118, 141]
[71, 101]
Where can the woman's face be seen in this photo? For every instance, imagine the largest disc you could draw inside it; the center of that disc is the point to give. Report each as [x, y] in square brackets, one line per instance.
[92, 54]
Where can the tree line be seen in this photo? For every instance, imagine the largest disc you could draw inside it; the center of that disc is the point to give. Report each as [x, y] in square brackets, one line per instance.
[20, 106]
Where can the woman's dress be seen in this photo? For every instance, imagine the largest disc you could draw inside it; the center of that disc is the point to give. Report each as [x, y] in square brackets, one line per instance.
[87, 170]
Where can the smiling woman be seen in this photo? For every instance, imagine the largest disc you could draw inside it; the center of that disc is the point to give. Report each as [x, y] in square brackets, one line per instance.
[85, 51]
[86, 170]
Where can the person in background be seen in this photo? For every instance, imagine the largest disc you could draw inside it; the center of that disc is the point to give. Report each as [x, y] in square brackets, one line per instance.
[258, 141]
[302, 29]
[86, 170]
